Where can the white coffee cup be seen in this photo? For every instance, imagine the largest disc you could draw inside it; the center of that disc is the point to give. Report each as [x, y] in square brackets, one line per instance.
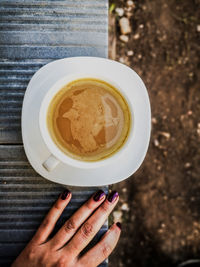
[56, 154]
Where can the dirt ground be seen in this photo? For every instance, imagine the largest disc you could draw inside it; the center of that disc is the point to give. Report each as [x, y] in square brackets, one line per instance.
[160, 204]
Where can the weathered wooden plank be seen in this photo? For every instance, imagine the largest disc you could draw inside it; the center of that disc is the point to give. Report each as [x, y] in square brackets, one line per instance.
[33, 33]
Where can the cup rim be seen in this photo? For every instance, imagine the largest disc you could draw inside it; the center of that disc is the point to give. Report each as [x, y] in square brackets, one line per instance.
[53, 148]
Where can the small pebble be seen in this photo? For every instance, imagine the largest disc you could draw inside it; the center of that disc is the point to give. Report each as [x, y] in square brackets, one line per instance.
[124, 38]
[130, 3]
[165, 134]
[196, 224]
[136, 36]
[144, 7]
[164, 117]
[198, 28]
[122, 60]
[159, 168]
[124, 25]
[179, 61]
[198, 129]
[165, 153]
[154, 120]
[141, 26]
[189, 112]
[196, 232]
[139, 56]
[187, 165]
[117, 215]
[165, 197]
[119, 11]
[130, 53]
[125, 207]
[124, 190]
[163, 225]
[191, 74]
[156, 142]
[182, 117]
[183, 243]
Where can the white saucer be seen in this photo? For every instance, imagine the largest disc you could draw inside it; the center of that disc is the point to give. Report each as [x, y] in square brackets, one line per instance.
[35, 147]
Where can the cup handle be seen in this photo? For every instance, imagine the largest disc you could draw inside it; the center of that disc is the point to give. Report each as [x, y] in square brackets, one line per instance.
[50, 163]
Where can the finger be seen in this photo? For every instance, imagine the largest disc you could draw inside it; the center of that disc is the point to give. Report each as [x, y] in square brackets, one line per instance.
[51, 218]
[76, 220]
[103, 249]
[89, 229]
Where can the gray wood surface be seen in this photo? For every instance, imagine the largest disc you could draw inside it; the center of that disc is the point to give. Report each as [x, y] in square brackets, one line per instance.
[33, 33]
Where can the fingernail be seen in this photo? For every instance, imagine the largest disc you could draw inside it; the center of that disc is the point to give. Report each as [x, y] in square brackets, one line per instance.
[119, 225]
[112, 196]
[99, 194]
[65, 194]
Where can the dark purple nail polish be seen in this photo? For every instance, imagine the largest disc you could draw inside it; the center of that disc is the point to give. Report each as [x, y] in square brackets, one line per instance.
[119, 225]
[112, 196]
[65, 194]
[99, 194]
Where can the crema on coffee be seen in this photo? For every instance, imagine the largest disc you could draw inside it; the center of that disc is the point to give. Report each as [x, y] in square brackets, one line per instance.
[89, 119]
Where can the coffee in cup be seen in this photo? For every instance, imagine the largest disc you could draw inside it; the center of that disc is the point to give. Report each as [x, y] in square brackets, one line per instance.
[88, 119]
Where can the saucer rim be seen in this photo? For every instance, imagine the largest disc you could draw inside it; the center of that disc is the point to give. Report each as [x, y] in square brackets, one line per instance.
[96, 183]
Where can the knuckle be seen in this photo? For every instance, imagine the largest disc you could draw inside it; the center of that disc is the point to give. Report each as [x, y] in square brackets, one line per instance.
[61, 262]
[44, 259]
[81, 264]
[70, 225]
[32, 252]
[87, 229]
[57, 206]
[106, 250]
[105, 207]
[45, 223]
[74, 248]
[88, 205]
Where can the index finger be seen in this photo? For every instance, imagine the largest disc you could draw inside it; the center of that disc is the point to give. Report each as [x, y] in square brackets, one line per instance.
[51, 218]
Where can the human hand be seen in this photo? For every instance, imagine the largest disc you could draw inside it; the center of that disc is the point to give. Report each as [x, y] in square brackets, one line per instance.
[63, 250]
